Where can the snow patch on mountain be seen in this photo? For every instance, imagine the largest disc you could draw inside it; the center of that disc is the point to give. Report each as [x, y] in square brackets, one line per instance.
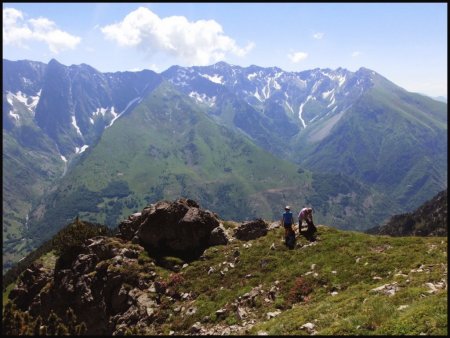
[203, 98]
[99, 111]
[333, 100]
[64, 158]
[113, 113]
[215, 78]
[256, 94]
[341, 80]
[251, 76]
[326, 94]
[136, 99]
[276, 85]
[74, 123]
[14, 115]
[300, 112]
[22, 98]
[34, 101]
[80, 150]
[266, 90]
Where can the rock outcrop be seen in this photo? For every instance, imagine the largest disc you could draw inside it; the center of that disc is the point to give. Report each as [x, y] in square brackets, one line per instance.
[251, 230]
[104, 286]
[180, 228]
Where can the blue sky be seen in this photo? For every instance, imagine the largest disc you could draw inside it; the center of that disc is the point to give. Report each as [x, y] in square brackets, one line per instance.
[405, 42]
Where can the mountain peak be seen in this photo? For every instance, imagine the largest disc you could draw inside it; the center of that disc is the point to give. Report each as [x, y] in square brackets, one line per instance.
[54, 62]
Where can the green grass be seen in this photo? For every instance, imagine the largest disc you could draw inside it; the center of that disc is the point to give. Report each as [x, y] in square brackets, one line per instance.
[354, 310]
[349, 264]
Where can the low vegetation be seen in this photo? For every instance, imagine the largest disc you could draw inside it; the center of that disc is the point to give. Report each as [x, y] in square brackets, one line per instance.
[345, 283]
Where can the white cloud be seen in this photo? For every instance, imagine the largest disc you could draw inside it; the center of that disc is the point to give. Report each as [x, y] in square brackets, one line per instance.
[318, 35]
[356, 54]
[200, 42]
[16, 32]
[297, 56]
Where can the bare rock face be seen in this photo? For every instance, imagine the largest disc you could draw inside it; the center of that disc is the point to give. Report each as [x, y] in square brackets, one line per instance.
[251, 230]
[178, 228]
[29, 285]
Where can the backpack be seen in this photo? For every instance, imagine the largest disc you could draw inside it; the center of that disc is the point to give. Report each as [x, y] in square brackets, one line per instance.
[290, 240]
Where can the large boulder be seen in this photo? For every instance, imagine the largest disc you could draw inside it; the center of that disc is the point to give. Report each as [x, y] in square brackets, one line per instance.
[251, 230]
[178, 228]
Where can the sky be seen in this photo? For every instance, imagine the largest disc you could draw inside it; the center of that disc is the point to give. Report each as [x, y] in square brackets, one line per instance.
[404, 42]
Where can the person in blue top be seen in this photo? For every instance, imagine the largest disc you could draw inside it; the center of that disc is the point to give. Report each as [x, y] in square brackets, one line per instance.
[287, 221]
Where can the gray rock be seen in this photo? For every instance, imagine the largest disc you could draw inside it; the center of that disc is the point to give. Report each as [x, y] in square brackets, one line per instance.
[251, 230]
[180, 228]
[218, 236]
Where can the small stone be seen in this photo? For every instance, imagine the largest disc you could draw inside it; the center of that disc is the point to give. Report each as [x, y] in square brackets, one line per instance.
[196, 327]
[262, 333]
[271, 315]
[402, 307]
[221, 312]
[309, 327]
[313, 266]
[334, 293]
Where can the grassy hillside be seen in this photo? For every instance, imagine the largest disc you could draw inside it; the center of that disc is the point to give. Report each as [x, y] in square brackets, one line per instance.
[169, 148]
[335, 283]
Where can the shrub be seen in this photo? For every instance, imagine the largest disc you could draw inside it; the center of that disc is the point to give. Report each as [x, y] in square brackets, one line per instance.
[300, 290]
[67, 242]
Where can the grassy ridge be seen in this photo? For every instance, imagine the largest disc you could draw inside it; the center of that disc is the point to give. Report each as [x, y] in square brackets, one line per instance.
[349, 263]
[329, 283]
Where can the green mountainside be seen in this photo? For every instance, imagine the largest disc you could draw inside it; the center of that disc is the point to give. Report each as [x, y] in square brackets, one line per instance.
[168, 148]
[345, 283]
[31, 165]
[391, 139]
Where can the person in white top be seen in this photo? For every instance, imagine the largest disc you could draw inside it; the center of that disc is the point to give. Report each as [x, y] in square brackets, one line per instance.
[306, 215]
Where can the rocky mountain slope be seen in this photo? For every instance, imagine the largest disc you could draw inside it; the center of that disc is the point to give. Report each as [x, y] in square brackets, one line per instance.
[241, 280]
[430, 219]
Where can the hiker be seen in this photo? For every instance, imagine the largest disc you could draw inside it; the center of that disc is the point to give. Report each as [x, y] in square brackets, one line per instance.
[306, 215]
[287, 221]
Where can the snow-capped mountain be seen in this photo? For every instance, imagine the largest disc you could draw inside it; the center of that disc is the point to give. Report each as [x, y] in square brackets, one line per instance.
[269, 103]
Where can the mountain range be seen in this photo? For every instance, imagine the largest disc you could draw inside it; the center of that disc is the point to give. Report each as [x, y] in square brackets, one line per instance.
[244, 141]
